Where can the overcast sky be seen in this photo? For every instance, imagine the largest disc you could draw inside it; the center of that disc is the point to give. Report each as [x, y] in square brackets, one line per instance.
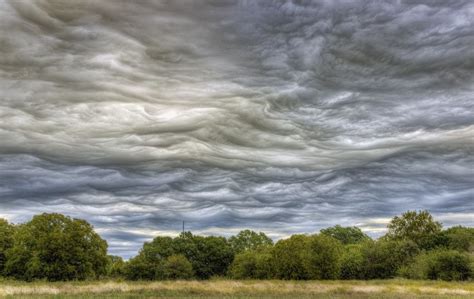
[279, 116]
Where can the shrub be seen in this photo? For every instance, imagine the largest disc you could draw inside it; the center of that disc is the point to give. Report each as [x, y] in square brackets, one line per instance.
[289, 258]
[440, 264]
[244, 265]
[6, 241]
[209, 256]
[115, 266]
[177, 267]
[460, 238]
[148, 263]
[138, 268]
[255, 264]
[352, 262]
[323, 257]
[383, 258]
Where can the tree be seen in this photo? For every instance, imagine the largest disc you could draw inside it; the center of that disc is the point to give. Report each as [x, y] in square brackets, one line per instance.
[115, 266]
[177, 267]
[440, 264]
[6, 241]
[209, 256]
[56, 247]
[138, 268]
[352, 262]
[383, 258]
[346, 235]
[323, 259]
[148, 264]
[418, 227]
[249, 240]
[289, 257]
[460, 238]
[252, 264]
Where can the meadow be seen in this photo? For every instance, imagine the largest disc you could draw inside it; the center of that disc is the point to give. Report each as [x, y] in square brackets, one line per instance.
[221, 288]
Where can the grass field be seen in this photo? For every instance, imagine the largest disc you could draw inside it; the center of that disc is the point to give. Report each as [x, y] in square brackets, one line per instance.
[388, 289]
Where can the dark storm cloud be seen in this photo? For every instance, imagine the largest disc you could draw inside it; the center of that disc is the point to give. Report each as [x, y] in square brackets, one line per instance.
[282, 116]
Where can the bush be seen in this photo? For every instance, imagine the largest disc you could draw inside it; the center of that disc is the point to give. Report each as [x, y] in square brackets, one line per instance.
[147, 264]
[289, 258]
[352, 262]
[460, 238]
[209, 256]
[115, 266]
[383, 258]
[56, 247]
[6, 241]
[440, 264]
[138, 268]
[323, 257]
[255, 264]
[177, 267]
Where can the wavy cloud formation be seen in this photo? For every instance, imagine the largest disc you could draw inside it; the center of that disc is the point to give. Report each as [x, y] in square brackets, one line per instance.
[282, 116]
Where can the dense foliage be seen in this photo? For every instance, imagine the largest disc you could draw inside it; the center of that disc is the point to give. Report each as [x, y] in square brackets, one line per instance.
[249, 240]
[209, 256]
[6, 241]
[56, 247]
[346, 235]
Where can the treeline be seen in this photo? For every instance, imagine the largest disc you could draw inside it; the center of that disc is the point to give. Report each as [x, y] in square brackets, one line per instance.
[56, 247]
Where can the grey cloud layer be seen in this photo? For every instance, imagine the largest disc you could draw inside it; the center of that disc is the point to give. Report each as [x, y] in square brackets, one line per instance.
[285, 116]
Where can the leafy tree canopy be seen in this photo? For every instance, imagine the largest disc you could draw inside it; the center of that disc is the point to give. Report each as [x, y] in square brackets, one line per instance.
[346, 235]
[177, 267]
[56, 247]
[418, 227]
[289, 258]
[6, 241]
[249, 240]
[460, 238]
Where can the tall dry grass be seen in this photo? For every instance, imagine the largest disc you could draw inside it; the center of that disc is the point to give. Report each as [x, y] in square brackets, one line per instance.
[241, 289]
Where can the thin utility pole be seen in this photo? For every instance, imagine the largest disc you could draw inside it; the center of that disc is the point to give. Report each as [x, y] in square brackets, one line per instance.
[183, 227]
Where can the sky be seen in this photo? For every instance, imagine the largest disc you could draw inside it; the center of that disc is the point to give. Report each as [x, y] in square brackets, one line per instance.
[278, 116]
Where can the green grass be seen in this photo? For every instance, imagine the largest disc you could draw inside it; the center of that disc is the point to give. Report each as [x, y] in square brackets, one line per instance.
[383, 289]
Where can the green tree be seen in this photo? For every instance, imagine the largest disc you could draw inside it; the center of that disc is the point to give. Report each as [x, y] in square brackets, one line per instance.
[252, 264]
[138, 268]
[346, 235]
[460, 238]
[418, 227]
[383, 258]
[323, 257]
[115, 266]
[289, 258]
[148, 264]
[6, 241]
[249, 240]
[209, 256]
[56, 247]
[440, 264]
[177, 267]
[352, 262]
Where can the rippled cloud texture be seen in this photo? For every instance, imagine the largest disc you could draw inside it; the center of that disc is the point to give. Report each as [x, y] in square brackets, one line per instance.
[279, 116]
